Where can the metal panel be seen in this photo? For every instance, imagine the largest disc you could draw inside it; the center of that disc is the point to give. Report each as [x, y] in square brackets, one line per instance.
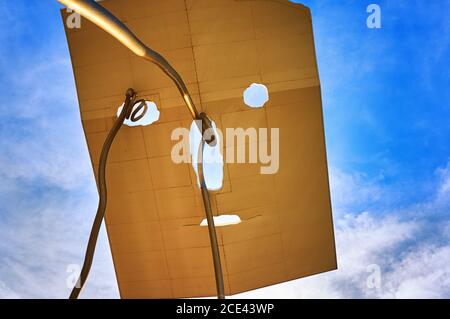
[219, 47]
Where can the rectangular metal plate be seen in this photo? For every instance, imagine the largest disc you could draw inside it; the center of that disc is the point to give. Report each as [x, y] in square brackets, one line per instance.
[219, 47]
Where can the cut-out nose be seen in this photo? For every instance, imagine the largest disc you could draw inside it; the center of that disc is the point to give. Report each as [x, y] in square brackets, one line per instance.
[212, 158]
[256, 95]
[223, 220]
[142, 116]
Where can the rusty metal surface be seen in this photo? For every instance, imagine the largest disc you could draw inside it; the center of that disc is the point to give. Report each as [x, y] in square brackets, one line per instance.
[219, 47]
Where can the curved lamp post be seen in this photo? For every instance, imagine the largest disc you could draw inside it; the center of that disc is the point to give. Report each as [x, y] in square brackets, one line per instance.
[101, 17]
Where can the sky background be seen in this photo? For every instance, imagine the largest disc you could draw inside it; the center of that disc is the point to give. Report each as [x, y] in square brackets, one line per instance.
[387, 122]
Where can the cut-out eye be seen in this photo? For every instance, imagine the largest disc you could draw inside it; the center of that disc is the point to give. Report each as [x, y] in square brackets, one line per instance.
[223, 220]
[256, 95]
[143, 113]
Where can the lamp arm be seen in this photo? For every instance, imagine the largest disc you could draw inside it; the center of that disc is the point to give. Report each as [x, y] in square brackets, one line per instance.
[104, 19]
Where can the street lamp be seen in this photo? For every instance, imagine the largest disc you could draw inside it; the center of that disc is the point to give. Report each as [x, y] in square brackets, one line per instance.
[101, 17]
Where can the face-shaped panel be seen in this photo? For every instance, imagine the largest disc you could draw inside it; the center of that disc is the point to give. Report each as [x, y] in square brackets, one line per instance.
[274, 174]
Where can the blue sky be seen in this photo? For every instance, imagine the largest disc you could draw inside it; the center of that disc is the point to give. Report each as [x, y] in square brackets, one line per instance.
[385, 97]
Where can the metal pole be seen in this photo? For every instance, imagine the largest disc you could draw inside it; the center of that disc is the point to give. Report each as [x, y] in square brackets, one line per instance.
[90, 250]
[211, 227]
[101, 17]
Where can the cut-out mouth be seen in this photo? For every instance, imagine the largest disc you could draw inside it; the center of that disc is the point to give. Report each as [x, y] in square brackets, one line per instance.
[223, 220]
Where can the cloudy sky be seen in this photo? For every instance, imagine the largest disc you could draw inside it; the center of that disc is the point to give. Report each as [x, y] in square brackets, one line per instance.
[387, 115]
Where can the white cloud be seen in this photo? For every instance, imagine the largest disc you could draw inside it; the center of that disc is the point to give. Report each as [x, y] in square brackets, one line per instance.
[362, 240]
[6, 293]
[423, 273]
[355, 189]
[411, 250]
[41, 238]
[408, 269]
